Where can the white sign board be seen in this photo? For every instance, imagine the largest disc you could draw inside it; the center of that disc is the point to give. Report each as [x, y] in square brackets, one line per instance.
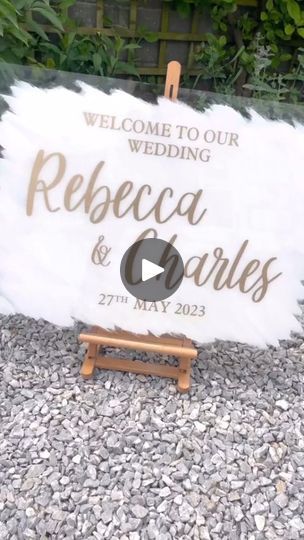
[85, 175]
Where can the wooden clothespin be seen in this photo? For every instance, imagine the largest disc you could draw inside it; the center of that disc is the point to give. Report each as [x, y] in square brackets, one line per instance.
[172, 80]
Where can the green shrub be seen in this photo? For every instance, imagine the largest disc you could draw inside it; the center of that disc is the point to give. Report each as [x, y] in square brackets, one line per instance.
[23, 40]
[254, 52]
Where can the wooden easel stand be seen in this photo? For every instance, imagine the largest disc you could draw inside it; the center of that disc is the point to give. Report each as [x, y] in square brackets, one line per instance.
[182, 348]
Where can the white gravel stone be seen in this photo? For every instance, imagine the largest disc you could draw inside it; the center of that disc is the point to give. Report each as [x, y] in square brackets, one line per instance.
[162, 507]
[45, 454]
[238, 514]
[297, 523]
[282, 404]
[139, 511]
[178, 499]
[4, 533]
[200, 427]
[123, 458]
[167, 480]
[91, 471]
[281, 500]
[260, 521]
[165, 492]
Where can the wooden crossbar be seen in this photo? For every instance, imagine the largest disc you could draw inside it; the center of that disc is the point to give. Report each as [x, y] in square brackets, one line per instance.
[132, 343]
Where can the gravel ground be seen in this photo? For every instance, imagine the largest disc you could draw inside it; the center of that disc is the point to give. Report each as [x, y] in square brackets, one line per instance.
[124, 457]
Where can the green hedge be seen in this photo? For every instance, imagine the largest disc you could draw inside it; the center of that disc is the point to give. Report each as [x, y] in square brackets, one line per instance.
[252, 51]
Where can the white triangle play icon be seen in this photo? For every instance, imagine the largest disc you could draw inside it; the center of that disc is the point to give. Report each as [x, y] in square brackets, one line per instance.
[150, 270]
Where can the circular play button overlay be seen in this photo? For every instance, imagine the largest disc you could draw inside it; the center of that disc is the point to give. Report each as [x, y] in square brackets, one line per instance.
[152, 269]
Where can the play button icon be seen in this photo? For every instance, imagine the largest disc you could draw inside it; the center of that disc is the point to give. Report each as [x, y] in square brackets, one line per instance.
[152, 269]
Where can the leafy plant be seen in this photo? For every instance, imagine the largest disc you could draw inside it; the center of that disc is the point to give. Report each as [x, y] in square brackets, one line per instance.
[251, 51]
[282, 19]
[20, 31]
[219, 63]
[273, 85]
[9, 23]
[96, 55]
[257, 58]
[24, 40]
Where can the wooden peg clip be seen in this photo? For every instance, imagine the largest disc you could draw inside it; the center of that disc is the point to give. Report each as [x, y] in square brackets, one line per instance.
[172, 80]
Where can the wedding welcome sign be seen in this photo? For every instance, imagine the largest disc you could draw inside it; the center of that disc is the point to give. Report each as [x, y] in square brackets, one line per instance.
[86, 174]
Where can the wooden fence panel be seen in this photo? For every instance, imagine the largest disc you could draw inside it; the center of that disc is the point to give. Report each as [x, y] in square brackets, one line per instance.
[175, 38]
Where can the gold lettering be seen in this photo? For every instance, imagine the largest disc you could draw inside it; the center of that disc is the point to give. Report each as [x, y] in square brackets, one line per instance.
[181, 131]
[90, 195]
[123, 124]
[147, 234]
[39, 186]
[218, 253]
[198, 269]
[249, 269]
[148, 148]
[153, 307]
[113, 123]
[104, 118]
[235, 265]
[123, 191]
[234, 139]
[190, 210]
[136, 202]
[204, 155]
[260, 292]
[140, 304]
[222, 137]
[73, 186]
[90, 118]
[158, 205]
[166, 132]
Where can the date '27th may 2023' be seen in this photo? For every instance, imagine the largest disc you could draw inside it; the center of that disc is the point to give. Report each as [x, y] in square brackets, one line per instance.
[162, 306]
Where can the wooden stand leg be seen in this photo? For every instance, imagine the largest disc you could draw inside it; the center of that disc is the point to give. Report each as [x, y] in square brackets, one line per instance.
[88, 365]
[184, 375]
